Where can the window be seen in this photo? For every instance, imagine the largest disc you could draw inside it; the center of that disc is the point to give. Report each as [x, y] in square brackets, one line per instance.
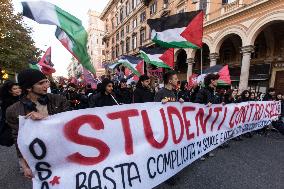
[122, 47]
[127, 8]
[103, 52]
[112, 23]
[113, 54]
[143, 16]
[134, 23]
[117, 20]
[227, 1]
[203, 5]
[166, 3]
[121, 15]
[133, 4]
[117, 50]
[117, 36]
[142, 36]
[127, 28]
[122, 34]
[153, 8]
[97, 41]
[112, 40]
[127, 45]
[180, 9]
[134, 42]
[107, 44]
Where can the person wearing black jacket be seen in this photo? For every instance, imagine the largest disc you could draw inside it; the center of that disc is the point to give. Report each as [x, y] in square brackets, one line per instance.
[207, 95]
[245, 96]
[124, 94]
[232, 97]
[143, 92]
[105, 97]
[270, 95]
[10, 93]
[184, 93]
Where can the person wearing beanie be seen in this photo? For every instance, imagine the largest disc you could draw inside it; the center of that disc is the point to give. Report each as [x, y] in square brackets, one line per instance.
[105, 97]
[36, 104]
[143, 91]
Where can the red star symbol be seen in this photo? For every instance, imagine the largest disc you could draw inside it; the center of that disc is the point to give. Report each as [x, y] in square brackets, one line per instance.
[55, 181]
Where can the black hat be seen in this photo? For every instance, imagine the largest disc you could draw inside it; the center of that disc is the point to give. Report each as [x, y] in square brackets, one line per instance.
[27, 78]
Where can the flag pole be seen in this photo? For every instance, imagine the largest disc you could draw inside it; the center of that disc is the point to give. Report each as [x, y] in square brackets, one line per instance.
[201, 61]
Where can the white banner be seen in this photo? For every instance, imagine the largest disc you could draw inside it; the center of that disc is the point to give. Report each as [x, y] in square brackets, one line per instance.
[131, 146]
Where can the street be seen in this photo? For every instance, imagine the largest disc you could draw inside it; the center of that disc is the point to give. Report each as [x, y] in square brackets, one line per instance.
[255, 163]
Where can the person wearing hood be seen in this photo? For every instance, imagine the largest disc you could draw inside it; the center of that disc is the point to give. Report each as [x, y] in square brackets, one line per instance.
[143, 91]
[105, 97]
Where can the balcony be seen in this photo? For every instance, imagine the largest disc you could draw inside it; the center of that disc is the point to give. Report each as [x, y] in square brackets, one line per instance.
[231, 6]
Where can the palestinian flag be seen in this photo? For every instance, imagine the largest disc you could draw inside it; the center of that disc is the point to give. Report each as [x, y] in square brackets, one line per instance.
[160, 57]
[72, 34]
[223, 72]
[46, 66]
[135, 64]
[183, 30]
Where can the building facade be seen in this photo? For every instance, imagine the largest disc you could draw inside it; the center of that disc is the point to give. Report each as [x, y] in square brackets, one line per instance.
[246, 35]
[96, 46]
[74, 69]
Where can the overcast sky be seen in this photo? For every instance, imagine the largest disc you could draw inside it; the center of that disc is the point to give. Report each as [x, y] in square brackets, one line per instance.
[44, 37]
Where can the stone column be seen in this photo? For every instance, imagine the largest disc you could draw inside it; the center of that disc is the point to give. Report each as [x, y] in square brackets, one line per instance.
[190, 62]
[246, 51]
[213, 59]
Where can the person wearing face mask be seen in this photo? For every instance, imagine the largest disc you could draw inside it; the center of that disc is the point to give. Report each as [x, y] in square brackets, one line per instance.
[9, 93]
[36, 104]
[105, 97]
[143, 91]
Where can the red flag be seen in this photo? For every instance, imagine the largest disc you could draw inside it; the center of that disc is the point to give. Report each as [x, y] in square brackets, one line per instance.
[194, 31]
[225, 75]
[140, 69]
[46, 64]
[168, 57]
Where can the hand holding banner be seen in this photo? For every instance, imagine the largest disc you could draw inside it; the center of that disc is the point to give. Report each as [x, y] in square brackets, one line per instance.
[131, 146]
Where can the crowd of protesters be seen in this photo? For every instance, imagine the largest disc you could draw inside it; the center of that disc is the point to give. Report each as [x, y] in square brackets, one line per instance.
[35, 97]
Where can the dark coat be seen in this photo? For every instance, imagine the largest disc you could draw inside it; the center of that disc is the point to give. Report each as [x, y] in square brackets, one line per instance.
[55, 104]
[100, 99]
[185, 95]
[206, 95]
[124, 96]
[6, 138]
[142, 94]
